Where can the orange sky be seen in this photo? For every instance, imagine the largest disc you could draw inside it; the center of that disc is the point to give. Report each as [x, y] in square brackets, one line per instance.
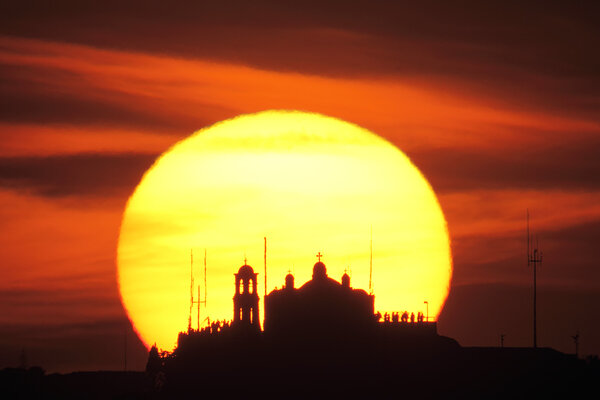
[495, 116]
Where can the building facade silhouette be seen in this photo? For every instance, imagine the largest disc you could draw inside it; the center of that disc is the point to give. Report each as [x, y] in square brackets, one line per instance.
[321, 304]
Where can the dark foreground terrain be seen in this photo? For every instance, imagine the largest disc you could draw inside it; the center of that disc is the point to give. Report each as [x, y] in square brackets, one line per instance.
[456, 373]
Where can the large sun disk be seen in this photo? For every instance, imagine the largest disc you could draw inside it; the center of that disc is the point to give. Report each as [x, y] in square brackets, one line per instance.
[308, 183]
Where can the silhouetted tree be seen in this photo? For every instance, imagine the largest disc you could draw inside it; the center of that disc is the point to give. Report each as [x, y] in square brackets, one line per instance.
[154, 363]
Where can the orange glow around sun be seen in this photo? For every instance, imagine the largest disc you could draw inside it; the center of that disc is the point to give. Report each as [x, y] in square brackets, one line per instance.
[305, 181]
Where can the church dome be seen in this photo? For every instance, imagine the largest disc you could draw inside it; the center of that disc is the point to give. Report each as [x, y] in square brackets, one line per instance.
[245, 271]
[289, 281]
[319, 271]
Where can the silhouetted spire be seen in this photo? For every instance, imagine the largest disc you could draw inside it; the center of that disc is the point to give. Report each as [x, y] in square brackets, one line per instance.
[346, 280]
[289, 281]
[245, 300]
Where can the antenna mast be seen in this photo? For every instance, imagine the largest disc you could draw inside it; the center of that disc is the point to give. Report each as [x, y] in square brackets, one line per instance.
[371, 264]
[265, 270]
[534, 257]
[198, 321]
[125, 349]
[198, 301]
[205, 287]
[191, 289]
[576, 340]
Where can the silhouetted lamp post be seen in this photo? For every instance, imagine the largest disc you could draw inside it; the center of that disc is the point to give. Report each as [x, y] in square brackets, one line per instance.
[426, 302]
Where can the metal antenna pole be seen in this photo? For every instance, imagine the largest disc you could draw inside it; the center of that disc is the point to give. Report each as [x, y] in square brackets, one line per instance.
[576, 340]
[198, 302]
[528, 248]
[125, 351]
[265, 296]
[191, 289]
[534, 257]
[23, 359]
[534, 283]
[371, 263]
[534, 300]
[265, 270]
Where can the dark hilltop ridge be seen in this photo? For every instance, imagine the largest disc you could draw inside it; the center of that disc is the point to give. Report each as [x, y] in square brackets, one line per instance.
[321, 340]
[324, 339]
[322, 334]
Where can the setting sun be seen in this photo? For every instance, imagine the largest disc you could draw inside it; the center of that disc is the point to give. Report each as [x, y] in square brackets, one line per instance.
[308, 183]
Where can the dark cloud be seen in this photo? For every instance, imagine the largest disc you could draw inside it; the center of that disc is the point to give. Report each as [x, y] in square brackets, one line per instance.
[568, 166]
[63, 330]
[476, 315]
[82, 174]
[52, 299]
[89, 327]
[97, 344]
[45, 95]
[533, 53]
[573, 252]
[67, 329]
[570, 255]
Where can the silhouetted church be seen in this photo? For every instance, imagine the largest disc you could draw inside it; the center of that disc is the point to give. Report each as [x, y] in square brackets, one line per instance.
[319, 303]
[324, 339]
[321, 307]
[319, 312]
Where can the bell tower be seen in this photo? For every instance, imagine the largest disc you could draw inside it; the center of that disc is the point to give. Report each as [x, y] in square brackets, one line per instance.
[245, 300]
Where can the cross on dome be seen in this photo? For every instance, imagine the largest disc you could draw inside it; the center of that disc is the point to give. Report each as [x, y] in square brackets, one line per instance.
[319, 255]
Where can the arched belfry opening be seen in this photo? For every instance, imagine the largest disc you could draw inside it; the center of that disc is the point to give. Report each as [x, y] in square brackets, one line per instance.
[245, 300]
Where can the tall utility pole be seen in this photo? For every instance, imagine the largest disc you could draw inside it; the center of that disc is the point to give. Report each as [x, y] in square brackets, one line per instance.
[23, 359]
[371, 263]
[125, 350]
[198, 305]
[191, 289]
[198, 302]
[576, 341]
[534, 257]
[265, 296]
